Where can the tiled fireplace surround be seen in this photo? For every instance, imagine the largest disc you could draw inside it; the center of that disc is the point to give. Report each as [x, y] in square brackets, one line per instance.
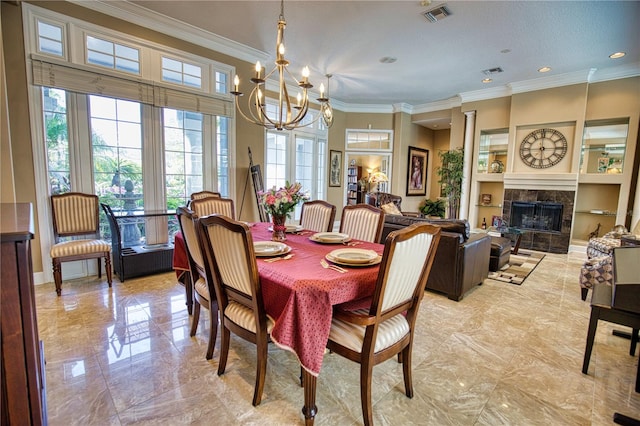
[550, 242]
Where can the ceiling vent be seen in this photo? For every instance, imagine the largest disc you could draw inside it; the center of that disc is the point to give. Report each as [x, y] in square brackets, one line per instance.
[437, 13]
[492, 71]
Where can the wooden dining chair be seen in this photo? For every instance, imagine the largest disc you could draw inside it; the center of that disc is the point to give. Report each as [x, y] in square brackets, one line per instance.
[213, 205]
[199, 283]
[318, 216]
[362, 222]
[76, 215]
[204, 194]
[371, 336]
[231, 263]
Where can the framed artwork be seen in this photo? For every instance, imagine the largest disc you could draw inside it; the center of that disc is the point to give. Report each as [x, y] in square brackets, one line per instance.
[496, 221]
[417, 171]
[335, 168]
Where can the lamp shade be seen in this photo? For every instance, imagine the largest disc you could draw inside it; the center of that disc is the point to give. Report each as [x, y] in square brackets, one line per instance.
[378, 177]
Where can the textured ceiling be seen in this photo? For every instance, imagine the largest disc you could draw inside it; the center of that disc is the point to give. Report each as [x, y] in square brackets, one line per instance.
[435, 61]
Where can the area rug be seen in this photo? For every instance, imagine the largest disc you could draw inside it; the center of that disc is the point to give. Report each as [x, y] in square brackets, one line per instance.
[519, 267]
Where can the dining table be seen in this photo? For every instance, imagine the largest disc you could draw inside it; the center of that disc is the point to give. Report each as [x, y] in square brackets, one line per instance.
[299, 293]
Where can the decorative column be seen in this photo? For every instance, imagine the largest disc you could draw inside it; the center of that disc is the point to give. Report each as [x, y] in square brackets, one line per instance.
[469, 130]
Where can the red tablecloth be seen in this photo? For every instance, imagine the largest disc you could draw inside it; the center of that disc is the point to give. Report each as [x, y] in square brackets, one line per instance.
[299, 294]
[180, 260]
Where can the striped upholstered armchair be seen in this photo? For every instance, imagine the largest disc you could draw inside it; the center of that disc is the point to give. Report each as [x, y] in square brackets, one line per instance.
[76, 215]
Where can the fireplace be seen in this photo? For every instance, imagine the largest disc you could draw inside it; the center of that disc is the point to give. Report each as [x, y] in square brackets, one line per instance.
[545, 216]
[536, 215]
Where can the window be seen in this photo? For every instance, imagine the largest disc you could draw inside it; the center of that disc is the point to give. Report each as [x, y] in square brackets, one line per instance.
[50, 39]
[118, 133]
[182, 73]
[183, 155]
[54, 105]
[296, 157]
[112, 55]
[116, 139]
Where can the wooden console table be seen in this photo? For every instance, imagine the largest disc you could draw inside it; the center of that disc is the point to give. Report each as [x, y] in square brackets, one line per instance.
[137, 258]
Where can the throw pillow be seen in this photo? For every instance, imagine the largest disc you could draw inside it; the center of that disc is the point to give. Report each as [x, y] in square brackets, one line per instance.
[390, 208]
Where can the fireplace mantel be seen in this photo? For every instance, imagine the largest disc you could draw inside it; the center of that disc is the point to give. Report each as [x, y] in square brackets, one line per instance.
[541, 180]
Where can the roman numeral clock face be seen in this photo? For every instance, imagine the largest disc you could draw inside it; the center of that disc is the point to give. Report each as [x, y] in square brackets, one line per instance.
[543, 148]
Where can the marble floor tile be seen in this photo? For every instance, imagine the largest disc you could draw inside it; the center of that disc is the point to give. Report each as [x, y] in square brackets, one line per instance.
[504, 355]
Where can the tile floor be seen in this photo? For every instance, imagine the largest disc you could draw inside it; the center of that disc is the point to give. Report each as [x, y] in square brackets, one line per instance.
[505, 354]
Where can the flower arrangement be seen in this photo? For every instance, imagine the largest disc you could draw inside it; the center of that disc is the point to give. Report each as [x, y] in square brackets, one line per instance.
[283, 201]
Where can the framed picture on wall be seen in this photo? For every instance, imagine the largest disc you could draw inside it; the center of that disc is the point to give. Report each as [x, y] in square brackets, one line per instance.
[417, 171]
[335, 168]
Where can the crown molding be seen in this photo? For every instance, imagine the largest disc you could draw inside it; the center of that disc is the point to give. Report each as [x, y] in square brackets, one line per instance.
[152, 20]
[444, 104]
[615, 73]
[484, 94]
[552, 81]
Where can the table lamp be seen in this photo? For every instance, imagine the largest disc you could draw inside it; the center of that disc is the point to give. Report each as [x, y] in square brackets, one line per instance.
[378, 178]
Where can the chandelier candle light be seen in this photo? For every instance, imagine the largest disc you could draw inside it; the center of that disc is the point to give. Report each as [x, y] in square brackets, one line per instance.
[285, 117]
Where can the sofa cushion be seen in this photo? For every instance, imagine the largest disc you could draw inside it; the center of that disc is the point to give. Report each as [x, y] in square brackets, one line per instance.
[457, 226]
[390, 208]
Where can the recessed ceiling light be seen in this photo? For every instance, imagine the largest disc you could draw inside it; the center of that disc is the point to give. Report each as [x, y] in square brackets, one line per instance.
[487, 80]
[388, 60]
[617, 55]
[544, 69]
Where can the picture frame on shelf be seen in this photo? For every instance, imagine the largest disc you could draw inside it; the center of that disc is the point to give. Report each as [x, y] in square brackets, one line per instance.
[335, 168]
[496, 221]
[486, 199]
[417, 171]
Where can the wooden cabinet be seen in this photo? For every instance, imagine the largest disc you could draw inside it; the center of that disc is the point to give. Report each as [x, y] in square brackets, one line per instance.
[23, 378]
[354, 194]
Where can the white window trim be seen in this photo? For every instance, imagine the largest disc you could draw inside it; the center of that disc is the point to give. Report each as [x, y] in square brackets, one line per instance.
[75, 30]
[72, 32]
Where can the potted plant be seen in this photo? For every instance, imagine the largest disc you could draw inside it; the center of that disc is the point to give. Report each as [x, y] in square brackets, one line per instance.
[432, 208]
[450, 174]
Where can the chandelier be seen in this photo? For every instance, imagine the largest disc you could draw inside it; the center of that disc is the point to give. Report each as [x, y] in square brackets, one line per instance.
[287, 115]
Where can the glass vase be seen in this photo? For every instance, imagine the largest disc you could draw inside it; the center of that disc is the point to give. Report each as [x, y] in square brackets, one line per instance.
[279, 228]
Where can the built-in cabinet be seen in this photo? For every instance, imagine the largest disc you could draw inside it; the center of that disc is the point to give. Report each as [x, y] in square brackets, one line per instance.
[602, 186]
[600, 201]
[22, 391]
[354, 192]
[489, 170]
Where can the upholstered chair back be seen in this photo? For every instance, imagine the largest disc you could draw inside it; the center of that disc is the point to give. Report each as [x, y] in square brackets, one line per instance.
[213, 205]
[362, 222]
[317, 216]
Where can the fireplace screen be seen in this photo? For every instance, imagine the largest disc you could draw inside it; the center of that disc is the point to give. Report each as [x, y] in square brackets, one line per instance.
[536, 215]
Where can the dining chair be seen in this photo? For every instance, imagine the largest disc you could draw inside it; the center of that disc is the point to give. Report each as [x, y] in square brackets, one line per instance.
[204, 194]
[213, 205]
[371, 336]
[362, 222]
[76, 215]
[202, 296]
[318, 216]
[231, 264]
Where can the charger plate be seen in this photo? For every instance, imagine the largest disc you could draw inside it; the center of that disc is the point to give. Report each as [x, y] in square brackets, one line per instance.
[270, 248]
[290, 228]
[353, 256]
[330, 238]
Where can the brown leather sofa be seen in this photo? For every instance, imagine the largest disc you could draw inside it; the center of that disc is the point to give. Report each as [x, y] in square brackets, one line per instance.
[462, 258]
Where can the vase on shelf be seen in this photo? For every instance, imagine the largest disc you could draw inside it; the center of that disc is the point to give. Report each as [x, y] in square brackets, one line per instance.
[279, 227]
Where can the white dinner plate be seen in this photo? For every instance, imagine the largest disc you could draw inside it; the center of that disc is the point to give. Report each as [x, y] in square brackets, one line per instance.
[372, 262]
[291, 228]
[353, 256]
[270, 248]
[330, 237]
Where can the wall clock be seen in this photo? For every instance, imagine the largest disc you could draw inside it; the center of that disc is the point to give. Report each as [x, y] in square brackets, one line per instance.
[543, 148]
